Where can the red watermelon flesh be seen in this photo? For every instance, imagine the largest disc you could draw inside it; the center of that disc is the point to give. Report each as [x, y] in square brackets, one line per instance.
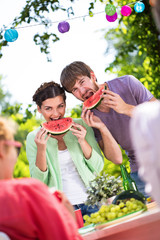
[94, 100]
[59, 126]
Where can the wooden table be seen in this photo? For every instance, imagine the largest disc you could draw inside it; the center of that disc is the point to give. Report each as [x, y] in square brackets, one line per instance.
[145, 226]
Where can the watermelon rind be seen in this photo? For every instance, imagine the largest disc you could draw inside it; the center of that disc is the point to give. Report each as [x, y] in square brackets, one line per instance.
[59, 126]
[94, 105]
[90, 103]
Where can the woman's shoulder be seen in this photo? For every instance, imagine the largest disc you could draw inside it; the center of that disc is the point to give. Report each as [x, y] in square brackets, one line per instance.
[80, 121]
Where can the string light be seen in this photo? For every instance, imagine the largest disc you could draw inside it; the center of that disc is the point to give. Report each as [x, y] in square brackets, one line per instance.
[63, 26]
[112, 18]
[139, 7]
[11, 35]
[126, 10]
[110, 9]
[64, 20]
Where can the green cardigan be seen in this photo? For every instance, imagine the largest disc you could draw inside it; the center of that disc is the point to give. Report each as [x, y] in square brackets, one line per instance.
[87, 168]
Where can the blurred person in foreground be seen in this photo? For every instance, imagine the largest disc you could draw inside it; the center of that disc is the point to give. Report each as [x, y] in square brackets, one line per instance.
[27, 209]
[156, 12]
[145, 134]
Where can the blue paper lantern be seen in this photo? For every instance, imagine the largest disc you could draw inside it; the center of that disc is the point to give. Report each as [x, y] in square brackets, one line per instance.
[63, 27]
[11, 35]
[139, 7]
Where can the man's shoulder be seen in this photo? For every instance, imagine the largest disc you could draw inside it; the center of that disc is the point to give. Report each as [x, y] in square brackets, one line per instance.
[122, 79]
[123, 83]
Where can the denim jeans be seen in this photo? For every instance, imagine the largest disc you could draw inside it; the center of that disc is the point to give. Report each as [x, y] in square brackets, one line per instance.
[140, 184]
[86, 210]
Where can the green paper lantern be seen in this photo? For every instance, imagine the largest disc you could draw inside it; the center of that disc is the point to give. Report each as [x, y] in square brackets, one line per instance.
[110, 9]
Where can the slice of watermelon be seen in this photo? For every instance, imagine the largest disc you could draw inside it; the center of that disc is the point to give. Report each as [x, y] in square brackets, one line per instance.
[94, 100]
[59, 126]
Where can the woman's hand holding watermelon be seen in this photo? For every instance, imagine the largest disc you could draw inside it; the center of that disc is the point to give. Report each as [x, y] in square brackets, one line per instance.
[41, 142]
[80, 132]
[41, 139]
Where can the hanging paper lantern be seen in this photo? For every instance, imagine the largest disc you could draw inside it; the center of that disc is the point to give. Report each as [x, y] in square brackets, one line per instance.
[11, 35]
[63, 27]
[112, 18]
[110, 9]
[126, 10]
[139, 7]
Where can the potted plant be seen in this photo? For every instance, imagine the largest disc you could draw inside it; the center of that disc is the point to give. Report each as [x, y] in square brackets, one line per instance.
[102, 188]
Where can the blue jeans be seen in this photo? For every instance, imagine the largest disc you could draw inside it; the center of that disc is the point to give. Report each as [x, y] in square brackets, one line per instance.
[85, 209]
[140, 184]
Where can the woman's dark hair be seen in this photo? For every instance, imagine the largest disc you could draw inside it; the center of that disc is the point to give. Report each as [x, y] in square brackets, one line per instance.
[48, 90]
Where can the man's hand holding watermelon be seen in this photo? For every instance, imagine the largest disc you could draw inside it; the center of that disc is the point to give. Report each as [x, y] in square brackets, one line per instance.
[114, 101]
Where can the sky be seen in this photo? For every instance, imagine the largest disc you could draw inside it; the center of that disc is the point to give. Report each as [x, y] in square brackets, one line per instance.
[24, 67]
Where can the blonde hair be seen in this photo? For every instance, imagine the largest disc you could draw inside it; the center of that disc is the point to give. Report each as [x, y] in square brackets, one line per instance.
[7, 128]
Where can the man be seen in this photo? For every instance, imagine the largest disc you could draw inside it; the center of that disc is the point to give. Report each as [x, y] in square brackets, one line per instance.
[115, 110]
[27, 209]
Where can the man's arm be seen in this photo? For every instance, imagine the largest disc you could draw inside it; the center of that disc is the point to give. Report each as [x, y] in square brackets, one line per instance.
[152, 99]
[114, 100]
[108, 144]
[129, 108]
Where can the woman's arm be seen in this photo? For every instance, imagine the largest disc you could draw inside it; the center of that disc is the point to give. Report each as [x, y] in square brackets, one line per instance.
[108, 144]
[31, 151]
[41, 139]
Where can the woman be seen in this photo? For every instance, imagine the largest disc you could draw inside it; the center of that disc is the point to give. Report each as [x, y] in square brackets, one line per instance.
[27, 202]
[68, 161]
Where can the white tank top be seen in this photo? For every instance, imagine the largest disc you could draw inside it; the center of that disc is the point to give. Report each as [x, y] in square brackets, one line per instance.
[73, 185]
